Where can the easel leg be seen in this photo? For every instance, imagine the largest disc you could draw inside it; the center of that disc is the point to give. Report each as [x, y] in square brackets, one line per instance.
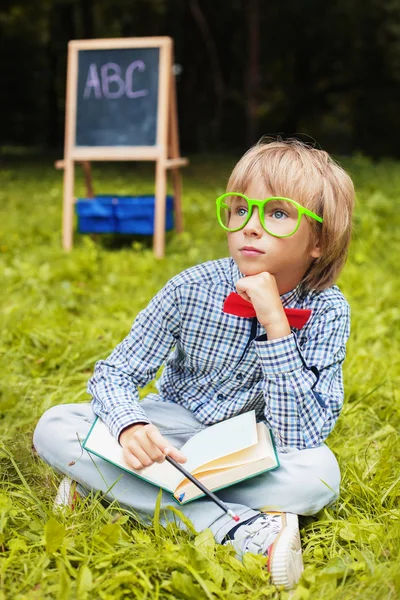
[175, 153]
[177, 186]
[160, 208]
[87, 172]
[68, 204]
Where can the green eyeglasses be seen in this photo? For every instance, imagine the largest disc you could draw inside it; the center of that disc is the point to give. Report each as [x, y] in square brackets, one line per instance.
[279, 216]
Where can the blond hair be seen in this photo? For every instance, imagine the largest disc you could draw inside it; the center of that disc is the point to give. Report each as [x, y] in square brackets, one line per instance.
[310, 176]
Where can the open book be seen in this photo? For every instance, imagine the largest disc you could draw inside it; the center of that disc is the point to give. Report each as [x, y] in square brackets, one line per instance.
[219, 456]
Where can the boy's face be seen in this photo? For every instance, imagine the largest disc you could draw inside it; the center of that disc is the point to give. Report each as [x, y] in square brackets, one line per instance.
[287, 259]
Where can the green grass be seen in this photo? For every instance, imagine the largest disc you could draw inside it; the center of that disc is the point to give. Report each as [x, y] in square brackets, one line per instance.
[61, 312]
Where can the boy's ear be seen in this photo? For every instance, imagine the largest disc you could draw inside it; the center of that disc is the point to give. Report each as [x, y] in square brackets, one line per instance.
[315, 251]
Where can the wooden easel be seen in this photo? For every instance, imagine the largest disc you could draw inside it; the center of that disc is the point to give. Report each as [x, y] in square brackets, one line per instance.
[165, 152]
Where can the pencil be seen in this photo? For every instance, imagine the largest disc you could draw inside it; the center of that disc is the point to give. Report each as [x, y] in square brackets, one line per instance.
[202, 487]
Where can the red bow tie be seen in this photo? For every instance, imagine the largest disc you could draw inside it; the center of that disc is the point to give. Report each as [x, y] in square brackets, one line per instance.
[236, 305]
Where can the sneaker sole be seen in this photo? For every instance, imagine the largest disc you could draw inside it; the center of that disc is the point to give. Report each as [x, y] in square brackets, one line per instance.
[285, 561]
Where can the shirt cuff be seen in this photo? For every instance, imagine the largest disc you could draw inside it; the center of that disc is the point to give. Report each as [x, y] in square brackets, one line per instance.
[279, 356]
[127, 415]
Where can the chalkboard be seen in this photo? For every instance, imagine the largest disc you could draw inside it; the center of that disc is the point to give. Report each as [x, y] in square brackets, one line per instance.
[117, 97]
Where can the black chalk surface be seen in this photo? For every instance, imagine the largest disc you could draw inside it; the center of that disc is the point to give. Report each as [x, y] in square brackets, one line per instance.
[117, 97]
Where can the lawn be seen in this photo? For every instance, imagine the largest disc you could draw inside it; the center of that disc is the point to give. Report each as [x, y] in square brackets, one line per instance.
[61, 312]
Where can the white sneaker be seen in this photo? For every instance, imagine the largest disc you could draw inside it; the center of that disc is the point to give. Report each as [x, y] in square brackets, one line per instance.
[66, 495]
[276, 535]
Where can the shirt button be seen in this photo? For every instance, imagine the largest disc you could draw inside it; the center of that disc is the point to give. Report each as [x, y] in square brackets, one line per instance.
[220, 397]
[239, 376]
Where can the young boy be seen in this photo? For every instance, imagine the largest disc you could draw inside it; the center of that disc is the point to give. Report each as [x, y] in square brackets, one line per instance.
[288, 221]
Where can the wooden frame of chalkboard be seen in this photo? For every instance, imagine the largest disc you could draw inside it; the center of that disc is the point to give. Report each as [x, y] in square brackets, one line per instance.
[97, 130]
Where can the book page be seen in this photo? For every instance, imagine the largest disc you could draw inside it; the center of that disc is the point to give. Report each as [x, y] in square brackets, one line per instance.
[103, 444]
[221, 439]
[263, 449]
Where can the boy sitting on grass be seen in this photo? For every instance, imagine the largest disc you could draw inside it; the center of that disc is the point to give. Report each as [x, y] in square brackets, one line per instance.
[288, 221]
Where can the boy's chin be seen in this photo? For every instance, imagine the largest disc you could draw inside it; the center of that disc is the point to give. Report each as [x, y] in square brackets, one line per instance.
[250, 269]
[249, 272]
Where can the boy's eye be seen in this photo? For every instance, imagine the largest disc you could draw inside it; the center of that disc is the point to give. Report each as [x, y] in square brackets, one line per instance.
[241, 211]
[279, 214]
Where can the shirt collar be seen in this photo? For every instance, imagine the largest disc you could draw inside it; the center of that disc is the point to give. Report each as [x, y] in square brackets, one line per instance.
[235, 273]
[288, 299]
[293, 296]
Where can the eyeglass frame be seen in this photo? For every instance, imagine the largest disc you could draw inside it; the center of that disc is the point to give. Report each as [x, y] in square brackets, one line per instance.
[261, 203]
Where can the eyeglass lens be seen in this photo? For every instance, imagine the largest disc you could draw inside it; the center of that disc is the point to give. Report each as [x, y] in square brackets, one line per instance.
[280, 216]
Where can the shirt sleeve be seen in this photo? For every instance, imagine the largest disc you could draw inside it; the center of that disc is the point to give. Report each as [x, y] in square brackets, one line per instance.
[303, 386]
[135, 362]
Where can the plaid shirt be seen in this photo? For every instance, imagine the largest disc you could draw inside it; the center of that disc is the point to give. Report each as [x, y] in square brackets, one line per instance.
[219, 365]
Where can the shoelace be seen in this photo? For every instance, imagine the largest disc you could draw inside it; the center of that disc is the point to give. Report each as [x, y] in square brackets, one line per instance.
[257, 536]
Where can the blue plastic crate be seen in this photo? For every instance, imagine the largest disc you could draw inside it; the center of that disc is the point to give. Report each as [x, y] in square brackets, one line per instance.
[96, 215]
[120, 214]
[136, 214]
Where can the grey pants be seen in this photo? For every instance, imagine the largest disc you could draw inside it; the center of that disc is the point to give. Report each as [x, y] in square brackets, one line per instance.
[306, 481]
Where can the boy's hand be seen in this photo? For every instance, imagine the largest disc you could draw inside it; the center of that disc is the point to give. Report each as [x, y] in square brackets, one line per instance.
[261, 290]
[144, 445]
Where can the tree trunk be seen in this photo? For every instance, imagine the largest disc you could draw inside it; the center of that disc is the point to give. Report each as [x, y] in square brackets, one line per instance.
[87, 18]
[216, 70]
[53, 125]
[252, 75]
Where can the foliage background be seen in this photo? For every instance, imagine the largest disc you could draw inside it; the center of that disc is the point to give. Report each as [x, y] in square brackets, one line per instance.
[60, 312]
[327, 69]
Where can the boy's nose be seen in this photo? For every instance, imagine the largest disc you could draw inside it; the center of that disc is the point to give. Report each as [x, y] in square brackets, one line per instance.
[253, 226]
